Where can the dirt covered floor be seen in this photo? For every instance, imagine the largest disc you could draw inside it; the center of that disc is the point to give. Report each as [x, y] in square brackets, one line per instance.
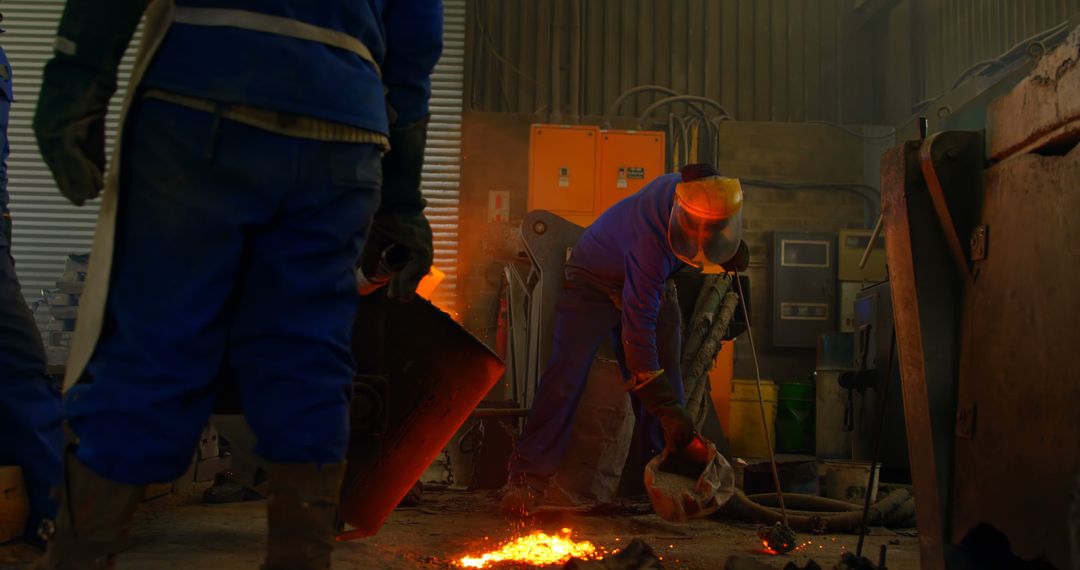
[179, 532]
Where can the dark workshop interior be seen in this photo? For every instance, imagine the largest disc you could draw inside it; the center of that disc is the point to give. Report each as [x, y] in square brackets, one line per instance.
[580, 284]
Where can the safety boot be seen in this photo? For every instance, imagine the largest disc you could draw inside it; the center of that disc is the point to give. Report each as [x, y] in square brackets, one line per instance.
[524, 494]
[302, 514]
[93, 523]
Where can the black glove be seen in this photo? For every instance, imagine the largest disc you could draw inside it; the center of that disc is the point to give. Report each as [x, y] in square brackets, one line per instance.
[400, 220]
[740, 261]
[75, 89]
[407, 239]
[660, 400]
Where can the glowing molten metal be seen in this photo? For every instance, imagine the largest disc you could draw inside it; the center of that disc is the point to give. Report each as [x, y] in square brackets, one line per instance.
[538, 549]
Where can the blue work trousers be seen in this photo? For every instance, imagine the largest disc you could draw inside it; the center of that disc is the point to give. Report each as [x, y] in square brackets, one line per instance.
[31, 434]
[234, 257]
[585, 316]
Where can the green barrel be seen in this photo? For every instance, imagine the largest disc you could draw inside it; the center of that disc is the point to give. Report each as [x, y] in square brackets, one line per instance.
[795, 418]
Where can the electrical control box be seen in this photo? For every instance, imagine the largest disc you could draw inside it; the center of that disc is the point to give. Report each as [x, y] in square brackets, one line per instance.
[562, 171]
[579, 171]
[849, 290]
[628, 161]
[852, 244]
[804, 288]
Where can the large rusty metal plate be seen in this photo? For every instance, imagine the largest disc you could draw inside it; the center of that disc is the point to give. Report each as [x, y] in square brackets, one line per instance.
[436, 374]
[1044, 109]
[1019, 367]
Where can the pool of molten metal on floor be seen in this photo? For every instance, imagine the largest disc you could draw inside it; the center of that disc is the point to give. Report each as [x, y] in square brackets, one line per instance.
[537, 548]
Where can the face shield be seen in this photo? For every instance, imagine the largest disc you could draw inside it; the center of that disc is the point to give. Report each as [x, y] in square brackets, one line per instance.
[706, 222]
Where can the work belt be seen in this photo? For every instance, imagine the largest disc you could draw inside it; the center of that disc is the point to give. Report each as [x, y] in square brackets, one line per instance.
[278, 122]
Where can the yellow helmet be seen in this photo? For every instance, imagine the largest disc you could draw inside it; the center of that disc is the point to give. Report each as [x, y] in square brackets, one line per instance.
[706, 221]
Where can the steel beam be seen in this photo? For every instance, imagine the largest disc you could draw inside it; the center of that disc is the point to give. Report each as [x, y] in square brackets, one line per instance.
[898, 165]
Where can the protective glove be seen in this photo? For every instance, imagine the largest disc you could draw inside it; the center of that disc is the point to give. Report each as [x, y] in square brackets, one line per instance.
[78, 81]
[740, 261]
[404, 240]
[660, 400]
[400, 225]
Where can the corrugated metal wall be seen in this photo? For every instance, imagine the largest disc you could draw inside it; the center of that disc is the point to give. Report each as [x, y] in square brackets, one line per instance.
[763, 60]
[961, 33]
[442, 156]
[46, 226]
[925, 46]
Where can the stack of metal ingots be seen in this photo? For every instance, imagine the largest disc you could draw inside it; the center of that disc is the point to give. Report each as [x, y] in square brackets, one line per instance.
[63, 305]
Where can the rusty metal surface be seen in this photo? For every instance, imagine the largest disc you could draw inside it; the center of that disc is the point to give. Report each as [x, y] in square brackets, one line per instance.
[897, 169]
[1044, 109]
[951, 164]
[1019, 369]
[437, 374]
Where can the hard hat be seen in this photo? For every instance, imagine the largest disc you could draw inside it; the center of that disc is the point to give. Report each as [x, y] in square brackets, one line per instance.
[706, 221]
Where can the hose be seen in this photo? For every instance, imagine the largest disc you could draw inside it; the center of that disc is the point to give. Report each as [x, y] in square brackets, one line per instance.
[681, 99]
[614, 108]
[804, 502]
[709, 299]
[697, 403]
[870, 195]
[883, 512]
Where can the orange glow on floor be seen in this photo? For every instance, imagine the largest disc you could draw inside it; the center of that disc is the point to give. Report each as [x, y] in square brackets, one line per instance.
[537, 548]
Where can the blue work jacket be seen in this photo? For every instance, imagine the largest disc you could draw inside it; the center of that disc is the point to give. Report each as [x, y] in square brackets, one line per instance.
[626, 249]
[307, 78]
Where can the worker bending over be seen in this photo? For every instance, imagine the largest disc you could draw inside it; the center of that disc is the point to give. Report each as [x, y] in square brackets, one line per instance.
[248, 180]
[615, 287]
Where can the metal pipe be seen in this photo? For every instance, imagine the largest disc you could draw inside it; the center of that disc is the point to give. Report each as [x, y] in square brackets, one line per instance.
[575, 61]
[614, 108]
[556, 60]
[681, 99]
[870, 195]
[877, 444]
[873, 238]
[761, 402]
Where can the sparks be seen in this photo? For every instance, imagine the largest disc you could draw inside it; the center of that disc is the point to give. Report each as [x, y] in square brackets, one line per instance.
[538, 549]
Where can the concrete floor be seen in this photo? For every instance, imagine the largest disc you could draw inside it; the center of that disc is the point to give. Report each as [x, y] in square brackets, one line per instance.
[178, 532]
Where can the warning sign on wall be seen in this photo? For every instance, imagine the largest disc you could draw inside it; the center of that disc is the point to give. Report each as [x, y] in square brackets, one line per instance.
[498, 206]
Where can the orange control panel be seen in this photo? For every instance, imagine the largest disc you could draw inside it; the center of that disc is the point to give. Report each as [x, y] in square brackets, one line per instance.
[579, 171]
[628, 161]
[562, 171]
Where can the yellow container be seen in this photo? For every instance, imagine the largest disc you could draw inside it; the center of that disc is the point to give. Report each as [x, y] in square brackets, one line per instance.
[747, 439]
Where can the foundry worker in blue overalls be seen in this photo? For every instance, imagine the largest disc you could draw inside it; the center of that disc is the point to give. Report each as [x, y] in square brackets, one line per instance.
[615, 288]
[31, 435]
[248, 179]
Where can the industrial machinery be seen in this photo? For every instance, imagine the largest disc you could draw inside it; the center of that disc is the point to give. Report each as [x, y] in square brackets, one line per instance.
[873, 335]
[578, 171]
[804, 287]
[420, 377]
[855, 274]
[978, 251]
